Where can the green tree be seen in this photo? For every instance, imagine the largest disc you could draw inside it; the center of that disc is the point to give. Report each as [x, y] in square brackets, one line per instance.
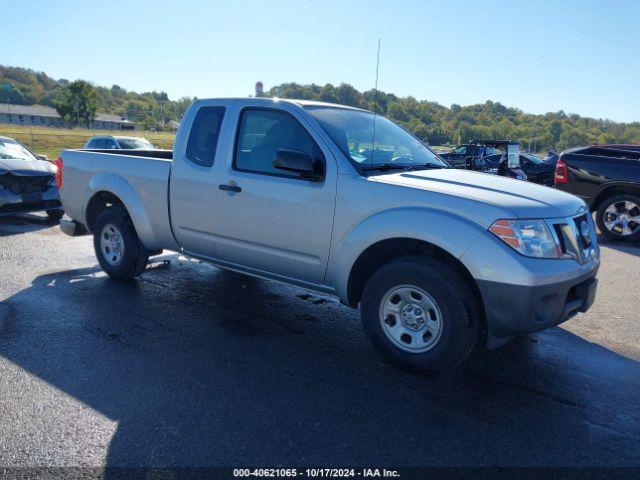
[77, 104]
[427, 119]
[347, 95]
[571, 138]
[555, 130]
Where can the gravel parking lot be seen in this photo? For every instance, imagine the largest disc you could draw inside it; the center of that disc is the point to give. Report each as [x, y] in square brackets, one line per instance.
[191, 366]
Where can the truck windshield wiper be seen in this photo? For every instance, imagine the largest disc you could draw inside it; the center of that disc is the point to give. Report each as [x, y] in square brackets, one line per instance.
[400, 166]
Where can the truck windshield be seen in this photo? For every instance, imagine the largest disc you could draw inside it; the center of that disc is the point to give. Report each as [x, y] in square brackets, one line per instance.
[384, 144]
[10, 149]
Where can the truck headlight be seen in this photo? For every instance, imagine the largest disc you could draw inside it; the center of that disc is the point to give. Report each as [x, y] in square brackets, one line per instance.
[531, 238]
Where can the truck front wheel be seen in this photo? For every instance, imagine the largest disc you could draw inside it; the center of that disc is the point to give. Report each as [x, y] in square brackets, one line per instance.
[420, 314]
[117, 246]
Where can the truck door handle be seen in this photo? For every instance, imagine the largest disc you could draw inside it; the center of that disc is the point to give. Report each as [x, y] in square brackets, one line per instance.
[230, 188]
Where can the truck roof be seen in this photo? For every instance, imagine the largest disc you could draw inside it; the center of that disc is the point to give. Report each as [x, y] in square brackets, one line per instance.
[299, 102]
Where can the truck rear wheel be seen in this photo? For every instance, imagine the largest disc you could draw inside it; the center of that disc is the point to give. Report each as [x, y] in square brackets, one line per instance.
[117, 246]
[420, 314]
[618, 217]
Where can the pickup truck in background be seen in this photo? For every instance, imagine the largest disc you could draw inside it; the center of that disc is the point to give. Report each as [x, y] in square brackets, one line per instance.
[438, 259]
[607, 177]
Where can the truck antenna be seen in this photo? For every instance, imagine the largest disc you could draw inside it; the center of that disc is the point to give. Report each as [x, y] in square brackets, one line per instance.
[375, 104]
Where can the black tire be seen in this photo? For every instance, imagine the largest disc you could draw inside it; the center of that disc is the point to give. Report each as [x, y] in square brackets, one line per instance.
[602, 212]
[55, 215]
[134, 257]
[460, 318]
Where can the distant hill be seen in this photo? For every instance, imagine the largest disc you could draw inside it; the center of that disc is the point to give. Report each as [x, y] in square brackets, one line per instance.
[430, 121]
[147, 109]
[440, 125]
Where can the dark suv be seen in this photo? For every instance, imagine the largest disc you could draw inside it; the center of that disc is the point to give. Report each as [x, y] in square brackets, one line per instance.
[607, 177]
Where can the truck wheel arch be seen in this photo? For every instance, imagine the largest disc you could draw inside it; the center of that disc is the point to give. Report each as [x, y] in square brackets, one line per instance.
[106, 190]
[384, 251]
[97, 204]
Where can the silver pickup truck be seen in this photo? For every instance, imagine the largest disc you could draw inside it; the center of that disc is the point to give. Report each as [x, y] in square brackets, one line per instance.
[341, 201]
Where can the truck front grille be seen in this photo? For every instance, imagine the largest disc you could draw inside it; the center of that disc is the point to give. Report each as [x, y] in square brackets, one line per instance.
[20, 185]
[577, 237]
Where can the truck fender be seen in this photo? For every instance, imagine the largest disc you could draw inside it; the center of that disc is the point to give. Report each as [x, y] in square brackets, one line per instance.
[450, 232]
[118, 186]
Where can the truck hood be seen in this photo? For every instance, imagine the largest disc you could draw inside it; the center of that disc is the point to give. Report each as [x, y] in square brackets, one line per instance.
[26, 167]
[516, 198]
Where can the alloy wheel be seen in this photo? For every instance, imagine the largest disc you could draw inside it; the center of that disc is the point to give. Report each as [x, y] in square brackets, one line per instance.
[622, 218]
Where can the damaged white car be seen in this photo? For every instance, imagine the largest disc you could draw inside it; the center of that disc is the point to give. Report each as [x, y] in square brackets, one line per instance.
[28, 182]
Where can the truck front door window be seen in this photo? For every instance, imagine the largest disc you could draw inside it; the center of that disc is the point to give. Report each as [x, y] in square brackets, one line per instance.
[262, 132]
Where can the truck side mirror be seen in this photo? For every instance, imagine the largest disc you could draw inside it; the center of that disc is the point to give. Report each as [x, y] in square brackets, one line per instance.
[295, 161]
[43, 157]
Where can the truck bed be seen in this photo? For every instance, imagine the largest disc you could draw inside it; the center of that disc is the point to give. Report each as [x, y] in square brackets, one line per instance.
[140, 175]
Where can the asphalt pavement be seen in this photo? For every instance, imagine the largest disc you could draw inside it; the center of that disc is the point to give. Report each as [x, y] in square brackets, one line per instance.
[192, 366]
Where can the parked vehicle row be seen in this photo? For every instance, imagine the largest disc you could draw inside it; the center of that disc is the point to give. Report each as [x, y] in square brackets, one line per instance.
[28, 181]
[437, 259]
[489, 155]
[442, 259]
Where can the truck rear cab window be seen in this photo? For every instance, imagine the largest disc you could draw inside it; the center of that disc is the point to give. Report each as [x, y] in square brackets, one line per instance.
[262, 132]
[203, 138]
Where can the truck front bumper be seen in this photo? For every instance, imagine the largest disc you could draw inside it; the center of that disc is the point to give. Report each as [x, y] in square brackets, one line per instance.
[522, 294]
[518, 309]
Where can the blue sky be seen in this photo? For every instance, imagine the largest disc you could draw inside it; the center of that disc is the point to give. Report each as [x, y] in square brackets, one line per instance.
[537, 55]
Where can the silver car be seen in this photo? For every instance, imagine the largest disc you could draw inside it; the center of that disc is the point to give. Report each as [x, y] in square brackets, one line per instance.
[118, 142]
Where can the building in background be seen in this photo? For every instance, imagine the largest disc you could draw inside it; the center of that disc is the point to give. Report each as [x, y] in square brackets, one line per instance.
[29, 115]
[107, 121]
[40, 115]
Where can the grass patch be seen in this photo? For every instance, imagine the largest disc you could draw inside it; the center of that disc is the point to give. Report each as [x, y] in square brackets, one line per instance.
[51, 141]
